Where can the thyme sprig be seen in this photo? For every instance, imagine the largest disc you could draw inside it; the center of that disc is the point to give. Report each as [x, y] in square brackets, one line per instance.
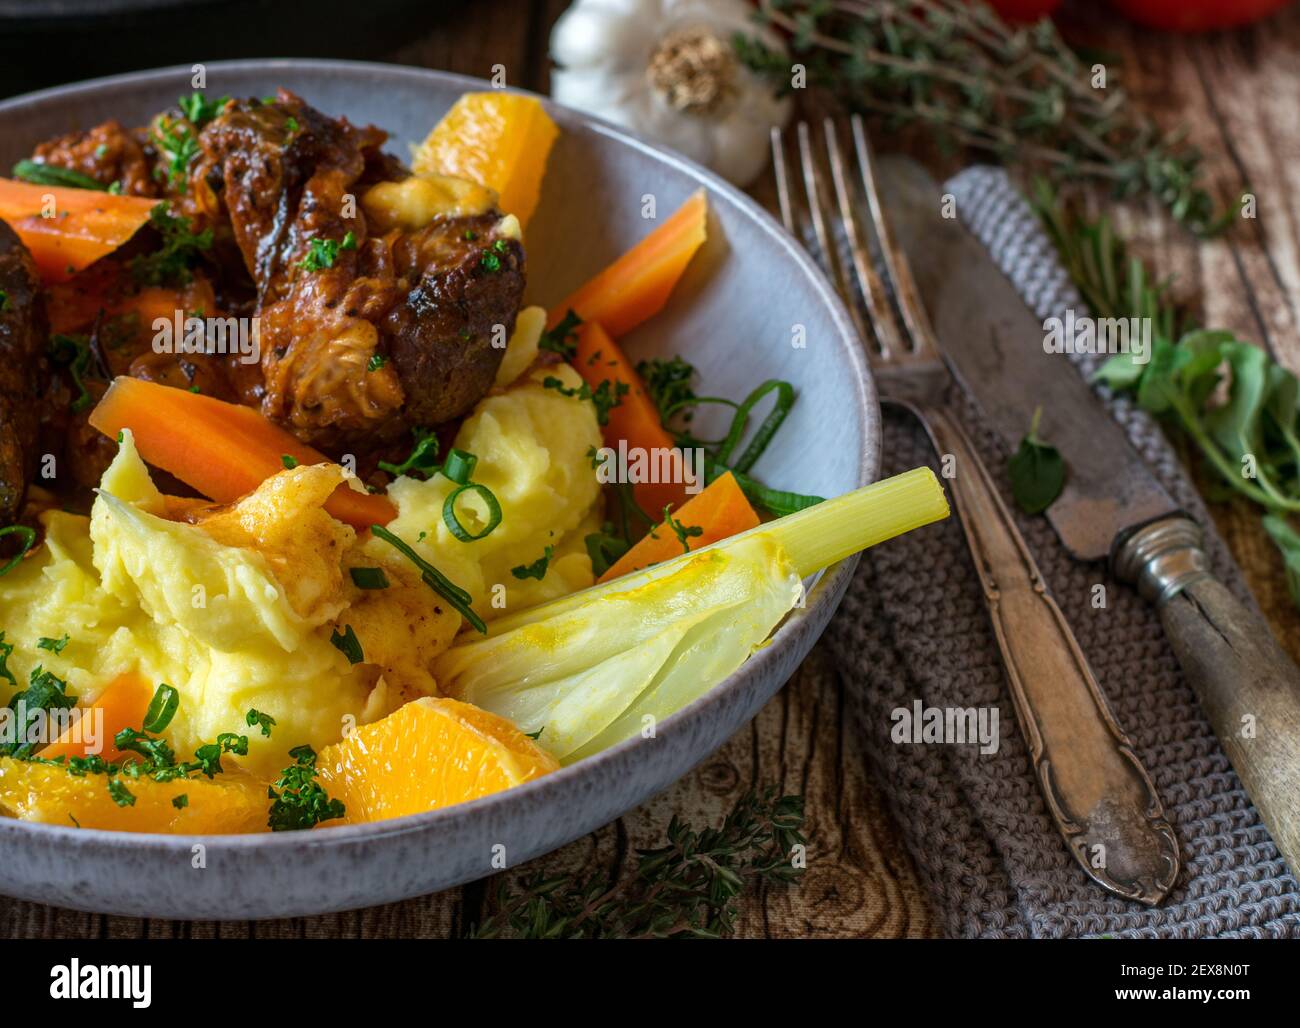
[689, 887]
[1018, 93]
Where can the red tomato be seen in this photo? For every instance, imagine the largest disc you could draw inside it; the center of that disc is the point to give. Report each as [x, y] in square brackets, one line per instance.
[1196, 15]
[1024, 10]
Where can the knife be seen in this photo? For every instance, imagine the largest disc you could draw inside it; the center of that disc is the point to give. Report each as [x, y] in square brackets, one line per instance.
[1111, 508]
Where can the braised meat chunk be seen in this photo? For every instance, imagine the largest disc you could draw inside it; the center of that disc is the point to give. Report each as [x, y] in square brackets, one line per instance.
[107, 153]
[362, 337]
[22, 370]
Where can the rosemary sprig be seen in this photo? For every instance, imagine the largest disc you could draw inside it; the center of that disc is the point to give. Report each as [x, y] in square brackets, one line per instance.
[687, 888]
[1020, 94]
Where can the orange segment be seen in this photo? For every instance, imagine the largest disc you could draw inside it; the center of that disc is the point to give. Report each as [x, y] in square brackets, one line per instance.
[428, 754]
[43, 792]
[497, 139]
[122, 704]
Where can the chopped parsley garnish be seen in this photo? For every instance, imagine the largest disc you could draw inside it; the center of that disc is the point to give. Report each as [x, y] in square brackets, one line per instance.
[290, 462]
[208, 757]
[433, 578]
[291, 125]
[537, 569]
[154, 750]
[605, 548]
[45, 691]
[605, 397]
[423, 457]
[669, 384]
[41, 174]
[256, 719]
[53, 645]
[684, 533]
[74, 353]
[182, 801]
[322, 252]
[181, 249]
[179, 145]
[490, 261]
[369, 578]
[301, 802]
[376, 362]
[347, 643]
[199, 110]
[122, 796]
[560, 339]
[6, 651]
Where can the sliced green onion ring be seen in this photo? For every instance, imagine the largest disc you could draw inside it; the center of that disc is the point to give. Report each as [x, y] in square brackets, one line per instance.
[459, 467]
[162, 708]
[452, 522]
[28, 535]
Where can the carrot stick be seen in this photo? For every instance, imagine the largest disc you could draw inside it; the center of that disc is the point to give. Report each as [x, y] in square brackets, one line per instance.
[635, 420]
[68, 229]
[720, 511]
[637, 284]
[224, 450]
[122, 704]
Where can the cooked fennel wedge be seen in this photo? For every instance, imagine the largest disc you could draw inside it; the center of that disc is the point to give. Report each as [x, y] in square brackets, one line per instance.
[594, 668]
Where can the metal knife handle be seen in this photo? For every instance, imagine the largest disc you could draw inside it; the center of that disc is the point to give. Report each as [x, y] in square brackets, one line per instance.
[1101, 797]
[1249, 688]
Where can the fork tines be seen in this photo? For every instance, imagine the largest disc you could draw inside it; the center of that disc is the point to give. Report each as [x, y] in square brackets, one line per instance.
[839, 216]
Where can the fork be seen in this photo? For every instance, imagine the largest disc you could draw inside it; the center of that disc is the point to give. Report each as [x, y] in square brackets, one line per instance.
[1097, 792]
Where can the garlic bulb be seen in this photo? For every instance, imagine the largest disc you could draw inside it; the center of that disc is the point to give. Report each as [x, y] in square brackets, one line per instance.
[667, 69]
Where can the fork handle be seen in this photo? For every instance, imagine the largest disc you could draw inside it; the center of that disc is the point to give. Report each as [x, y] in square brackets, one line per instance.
[1096, 789]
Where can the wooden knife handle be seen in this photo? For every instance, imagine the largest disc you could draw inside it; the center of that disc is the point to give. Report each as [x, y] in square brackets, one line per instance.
[1249, 688]
[1096, 789]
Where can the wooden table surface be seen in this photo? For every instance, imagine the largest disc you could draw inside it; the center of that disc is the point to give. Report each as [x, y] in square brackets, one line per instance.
[1239, 96]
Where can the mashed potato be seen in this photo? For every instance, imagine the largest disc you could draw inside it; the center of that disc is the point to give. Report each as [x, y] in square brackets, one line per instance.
[533, 446]
[237, 610]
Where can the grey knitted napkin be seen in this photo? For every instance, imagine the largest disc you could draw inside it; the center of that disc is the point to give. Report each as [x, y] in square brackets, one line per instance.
[913, 626]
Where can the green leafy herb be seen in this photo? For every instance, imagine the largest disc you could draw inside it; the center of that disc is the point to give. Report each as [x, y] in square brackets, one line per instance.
[199, 110]
[74, 353]
[605, 548]
[668, 383]
[154, 750]
[346, 642]
[1037, 471]
[423, 457]
[6, 651]
[684, 533]
[301, 801]
[122, 796]
[958, 70]
[537, 569]
[1239, 408]
[562, 338]
[535, 735]
[322, 252]
[53, 645]
[377, 361]
[688, 888]
[208, 757]
[42, 174]
[434, 579]
[181, 802]
[369, 578]
[4, 301]
[288, 461]
[256, 719]
[176, 141]
[45, 692]
[162, 708]
[605, 397]
[181, 248]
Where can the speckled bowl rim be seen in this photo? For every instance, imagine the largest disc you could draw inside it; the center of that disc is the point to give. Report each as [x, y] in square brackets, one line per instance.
[829, 588]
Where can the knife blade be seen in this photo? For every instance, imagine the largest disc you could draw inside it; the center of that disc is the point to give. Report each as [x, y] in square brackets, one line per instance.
[1112, 506]
[994, 345]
